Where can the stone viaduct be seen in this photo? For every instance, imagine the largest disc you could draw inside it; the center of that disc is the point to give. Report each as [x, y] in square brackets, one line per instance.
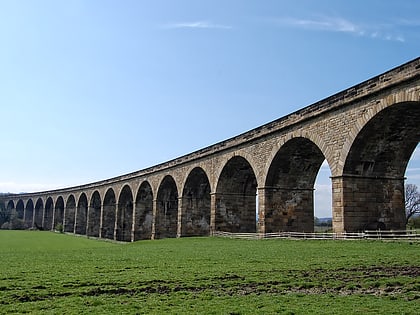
[366, 133]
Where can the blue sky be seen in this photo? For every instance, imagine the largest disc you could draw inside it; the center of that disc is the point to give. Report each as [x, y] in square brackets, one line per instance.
[95, 89]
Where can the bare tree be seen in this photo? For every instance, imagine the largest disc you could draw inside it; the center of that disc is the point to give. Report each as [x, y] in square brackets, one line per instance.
[412, 201]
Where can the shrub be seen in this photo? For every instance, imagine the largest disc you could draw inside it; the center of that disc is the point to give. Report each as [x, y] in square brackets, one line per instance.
[13, 224]
[59, 228]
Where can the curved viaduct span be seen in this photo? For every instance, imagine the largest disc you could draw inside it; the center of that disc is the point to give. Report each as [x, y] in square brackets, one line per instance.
[366, 133]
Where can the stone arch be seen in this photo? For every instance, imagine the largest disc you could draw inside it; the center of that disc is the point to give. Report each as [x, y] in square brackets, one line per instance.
[20, 209]
[10, 205]
[196, 203]
[235, 197]
[166, 221]
[39, 213]
[48, 217]
[29, 214]
[318, 141]
[94, 214]
[402, 97]
[289, 186]
[70, 214]
[372, 184]
[250, 160]
[124, 214]
[59, 212]
[108, 215]
[81, 215]
[144, 212]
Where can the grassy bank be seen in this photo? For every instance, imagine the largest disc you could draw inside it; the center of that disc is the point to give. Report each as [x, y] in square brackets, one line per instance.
[44, 272]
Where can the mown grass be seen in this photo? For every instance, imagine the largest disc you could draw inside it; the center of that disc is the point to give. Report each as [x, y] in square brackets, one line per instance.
[48, 273]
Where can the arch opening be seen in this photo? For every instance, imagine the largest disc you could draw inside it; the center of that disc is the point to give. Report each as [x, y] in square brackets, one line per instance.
[39, 214]
[20, 210]
[81, 215]
[412, 175]
[94, 215]
[372, 183]
[196, 204]
[289, 187]
[124, 215]
[59, 213]
[108, 216]
[166, 221]
[70, 214]
[236, 197]
[29, 214]
[48, 218]
[323, 199]
[143, 212]
[10, 205]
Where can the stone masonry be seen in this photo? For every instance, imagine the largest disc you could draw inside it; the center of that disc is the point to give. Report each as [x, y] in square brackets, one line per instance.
[366, 133]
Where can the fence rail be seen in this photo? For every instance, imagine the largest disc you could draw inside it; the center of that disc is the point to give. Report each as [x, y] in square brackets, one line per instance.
[370, 235]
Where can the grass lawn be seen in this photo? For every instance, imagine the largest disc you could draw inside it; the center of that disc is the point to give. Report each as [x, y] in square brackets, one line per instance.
[50, 273]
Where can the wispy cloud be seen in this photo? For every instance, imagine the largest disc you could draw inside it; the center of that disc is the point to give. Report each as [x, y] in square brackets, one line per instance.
[197, 25]
[407, 22]
[338, 24]
[323, 24]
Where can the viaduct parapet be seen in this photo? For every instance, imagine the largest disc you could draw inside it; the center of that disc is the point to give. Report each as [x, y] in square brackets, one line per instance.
[366, 133]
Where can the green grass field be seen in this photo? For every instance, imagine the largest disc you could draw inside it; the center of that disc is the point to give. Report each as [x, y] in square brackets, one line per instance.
[49, 273]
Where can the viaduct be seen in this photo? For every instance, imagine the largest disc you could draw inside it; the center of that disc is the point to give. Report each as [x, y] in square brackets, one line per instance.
[366, 133]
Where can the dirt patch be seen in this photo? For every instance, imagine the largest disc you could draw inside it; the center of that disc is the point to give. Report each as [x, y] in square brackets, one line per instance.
[393, 281]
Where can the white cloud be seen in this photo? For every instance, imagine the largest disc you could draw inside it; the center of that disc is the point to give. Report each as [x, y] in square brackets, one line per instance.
[324, 24]
[338, 24]
[197, 25]
[409, 23]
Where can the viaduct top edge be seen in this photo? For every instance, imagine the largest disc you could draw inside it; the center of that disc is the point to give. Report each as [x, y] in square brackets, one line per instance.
[406, 72]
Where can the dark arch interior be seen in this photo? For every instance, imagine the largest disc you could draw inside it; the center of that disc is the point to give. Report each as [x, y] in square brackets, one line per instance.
[20, 209]
[10, 205]
[236, 197]
[29, 213]
[375, 167]
[59, 212]
[384, 146]
[70, 214]
[125, 214]
[289, 186]
[39, 211]
[108, 218]
[196, 204]
[295, 165]
[48, 214]
[82, 210]
[144, 212]
[94, 215]
[167, 209]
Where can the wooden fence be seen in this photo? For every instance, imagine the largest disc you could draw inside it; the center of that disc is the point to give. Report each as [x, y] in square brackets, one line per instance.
[369, 235]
